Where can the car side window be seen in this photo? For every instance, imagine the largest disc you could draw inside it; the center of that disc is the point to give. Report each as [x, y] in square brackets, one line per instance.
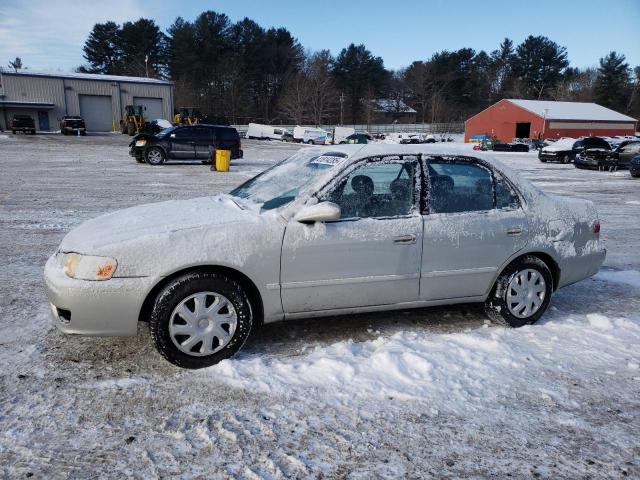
[183, 133]
[377, 189]
[505, 195]
[202, 133]
[456, 186]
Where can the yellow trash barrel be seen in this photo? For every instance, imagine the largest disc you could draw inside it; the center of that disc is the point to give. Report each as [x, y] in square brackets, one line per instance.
[223, 159]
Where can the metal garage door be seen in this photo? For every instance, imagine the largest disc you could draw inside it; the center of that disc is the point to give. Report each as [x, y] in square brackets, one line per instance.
[97, 112]
[153, 107]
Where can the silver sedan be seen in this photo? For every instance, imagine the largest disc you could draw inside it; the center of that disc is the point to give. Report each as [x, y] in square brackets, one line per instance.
[330, 230]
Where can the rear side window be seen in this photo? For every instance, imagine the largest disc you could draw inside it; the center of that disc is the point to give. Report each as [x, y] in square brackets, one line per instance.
[202, 133]
[227, 134]
[505, 196]
[459, 187]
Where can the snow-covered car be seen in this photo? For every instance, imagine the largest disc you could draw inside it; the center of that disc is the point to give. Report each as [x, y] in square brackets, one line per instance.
[330, 230]
[565, 149]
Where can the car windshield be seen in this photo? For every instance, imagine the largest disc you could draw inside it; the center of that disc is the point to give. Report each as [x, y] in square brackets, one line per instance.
[282, 183]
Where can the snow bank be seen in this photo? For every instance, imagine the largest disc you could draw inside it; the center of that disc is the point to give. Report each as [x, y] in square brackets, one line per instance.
[456, 371]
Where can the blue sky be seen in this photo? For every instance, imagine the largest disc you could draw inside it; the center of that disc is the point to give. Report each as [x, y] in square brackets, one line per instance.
[49, 35]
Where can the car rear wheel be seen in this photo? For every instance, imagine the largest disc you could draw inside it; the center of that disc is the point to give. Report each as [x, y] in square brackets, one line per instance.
[521, 293]
[543, 160]
[200, 319]
[155, 156]
[566, 159]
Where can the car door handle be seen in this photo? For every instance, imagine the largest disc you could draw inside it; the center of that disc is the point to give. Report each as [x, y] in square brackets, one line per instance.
[514, 232]
[405, 240]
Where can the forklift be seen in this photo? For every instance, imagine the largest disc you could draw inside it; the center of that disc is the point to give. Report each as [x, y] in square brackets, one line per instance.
[132, 120]
[187, 116]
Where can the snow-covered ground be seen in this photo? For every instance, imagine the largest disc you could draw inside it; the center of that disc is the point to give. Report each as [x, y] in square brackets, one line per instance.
[425, 393]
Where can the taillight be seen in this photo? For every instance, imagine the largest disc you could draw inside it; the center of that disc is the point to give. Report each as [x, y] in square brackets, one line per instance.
[596, 227]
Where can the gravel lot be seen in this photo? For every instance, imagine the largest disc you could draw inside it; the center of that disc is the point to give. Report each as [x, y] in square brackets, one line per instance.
[74, 407]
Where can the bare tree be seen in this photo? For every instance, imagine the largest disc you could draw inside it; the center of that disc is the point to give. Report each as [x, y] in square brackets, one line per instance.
[16, 64]
[294, 99]
[322, 98]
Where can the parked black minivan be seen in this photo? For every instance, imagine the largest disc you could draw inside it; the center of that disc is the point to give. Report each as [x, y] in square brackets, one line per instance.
[185, 143]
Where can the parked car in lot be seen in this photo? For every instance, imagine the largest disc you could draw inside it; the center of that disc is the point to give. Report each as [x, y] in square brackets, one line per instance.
[335, 230]
[565, 149]
[634, 166]
[357, 138]
[23, 123]
[72, 125]
[511, 147]
[185, 143]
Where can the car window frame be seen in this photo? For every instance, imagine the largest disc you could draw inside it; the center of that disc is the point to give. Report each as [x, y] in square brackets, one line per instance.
[495, 176]
[397, 158]
[181, 129]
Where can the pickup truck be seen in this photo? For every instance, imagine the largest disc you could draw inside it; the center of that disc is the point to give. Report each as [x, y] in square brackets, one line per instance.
[23, 123]
[72, 125]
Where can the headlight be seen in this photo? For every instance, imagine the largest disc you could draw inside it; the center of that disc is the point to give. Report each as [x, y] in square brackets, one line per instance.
[88, 267]
[141, 143]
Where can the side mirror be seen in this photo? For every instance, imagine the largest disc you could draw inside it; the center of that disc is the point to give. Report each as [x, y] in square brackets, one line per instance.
[320, 212]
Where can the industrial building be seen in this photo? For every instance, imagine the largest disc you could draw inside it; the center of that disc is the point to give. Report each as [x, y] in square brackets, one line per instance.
[511, 118]
[99, 99]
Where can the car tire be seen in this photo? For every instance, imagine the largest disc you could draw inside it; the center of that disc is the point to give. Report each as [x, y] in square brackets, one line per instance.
[13, 131]
[505, 305]
[543, 160]
[131, 129]
[154, 156]
[566, 159]
[227, 331]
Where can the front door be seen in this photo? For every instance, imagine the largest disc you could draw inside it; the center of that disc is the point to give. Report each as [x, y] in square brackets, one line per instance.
[182, 143]
[371, 256]
[474, 224]
[43, 121]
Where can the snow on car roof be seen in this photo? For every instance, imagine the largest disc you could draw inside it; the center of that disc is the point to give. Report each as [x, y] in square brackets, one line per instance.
[570, 110]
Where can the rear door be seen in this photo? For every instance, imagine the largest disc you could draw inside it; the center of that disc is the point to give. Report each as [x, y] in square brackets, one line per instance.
[203, 137]
[182, 143]
[474, 222]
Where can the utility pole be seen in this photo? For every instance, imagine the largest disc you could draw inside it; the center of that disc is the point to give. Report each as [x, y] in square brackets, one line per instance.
[544, 121]
[146, 65]
[341, 107]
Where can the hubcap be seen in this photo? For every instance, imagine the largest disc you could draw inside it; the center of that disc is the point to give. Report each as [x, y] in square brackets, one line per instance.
[154, 156]
[526, 293]
[203, 323]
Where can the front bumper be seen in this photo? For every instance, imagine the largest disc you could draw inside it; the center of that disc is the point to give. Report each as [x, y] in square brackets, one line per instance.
[100, 308]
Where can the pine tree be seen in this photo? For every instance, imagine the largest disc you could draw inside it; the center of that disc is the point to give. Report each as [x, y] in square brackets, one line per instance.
[613, 84]
[102, 49]
[358, 73]
[143, 48]
[538, 64]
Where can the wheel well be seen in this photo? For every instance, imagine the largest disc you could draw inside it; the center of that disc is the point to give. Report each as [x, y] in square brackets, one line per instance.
[550, 262]
[252, 291]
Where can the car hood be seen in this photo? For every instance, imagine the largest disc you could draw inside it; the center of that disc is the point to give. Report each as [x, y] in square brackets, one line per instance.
[154, 220]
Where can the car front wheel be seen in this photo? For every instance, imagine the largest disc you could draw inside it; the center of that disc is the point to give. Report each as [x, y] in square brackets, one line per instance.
[200, 319]
[521, 293]
[155, 156]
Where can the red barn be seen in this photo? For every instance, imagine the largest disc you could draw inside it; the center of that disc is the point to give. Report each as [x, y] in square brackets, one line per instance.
[511, 118]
